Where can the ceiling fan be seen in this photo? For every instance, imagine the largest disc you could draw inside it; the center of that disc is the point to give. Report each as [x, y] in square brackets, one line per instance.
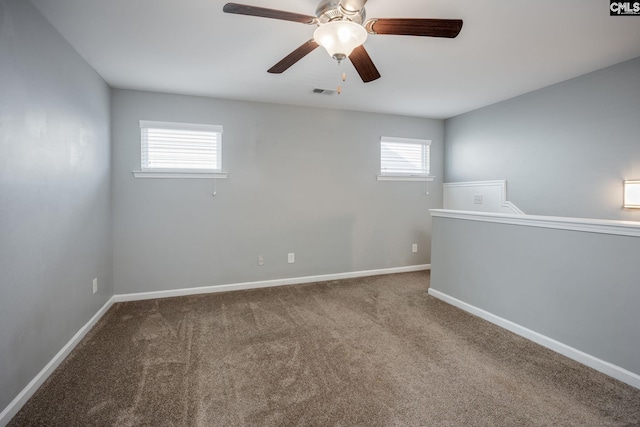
[342, 29]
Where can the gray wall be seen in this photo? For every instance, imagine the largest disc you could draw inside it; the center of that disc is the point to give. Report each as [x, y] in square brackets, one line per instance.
[564, 150]
[55, 189]
[578, 288]
[300, 180]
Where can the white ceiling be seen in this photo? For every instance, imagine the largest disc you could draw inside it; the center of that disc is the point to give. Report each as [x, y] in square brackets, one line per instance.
[505, 48]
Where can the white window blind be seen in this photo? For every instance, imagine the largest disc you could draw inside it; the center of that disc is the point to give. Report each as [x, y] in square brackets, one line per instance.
[180, 147]
[404, 157]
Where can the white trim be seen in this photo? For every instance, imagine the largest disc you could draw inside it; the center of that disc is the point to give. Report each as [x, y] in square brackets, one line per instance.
[266, 283]
[497, 182]
[600, 365]
[426, 142]
[16, 404]
[601, 226]
[181, 126]
[502, 184]
[177, 174]
[404, 178]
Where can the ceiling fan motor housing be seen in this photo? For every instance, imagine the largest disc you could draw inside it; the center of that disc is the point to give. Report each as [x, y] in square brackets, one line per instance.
[330, 10]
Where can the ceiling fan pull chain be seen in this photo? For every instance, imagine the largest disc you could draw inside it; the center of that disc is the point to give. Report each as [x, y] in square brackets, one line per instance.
[343, 76]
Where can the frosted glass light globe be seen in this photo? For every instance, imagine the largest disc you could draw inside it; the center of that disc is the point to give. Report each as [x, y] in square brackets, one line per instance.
[339, 38]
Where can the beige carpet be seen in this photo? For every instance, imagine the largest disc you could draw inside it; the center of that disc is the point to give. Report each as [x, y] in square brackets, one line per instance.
[375, 351]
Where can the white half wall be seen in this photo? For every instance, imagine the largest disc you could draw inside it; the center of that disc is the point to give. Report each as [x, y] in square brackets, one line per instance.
[479, 196]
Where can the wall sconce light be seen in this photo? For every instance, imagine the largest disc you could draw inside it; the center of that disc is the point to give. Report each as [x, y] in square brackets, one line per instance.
[632, 194]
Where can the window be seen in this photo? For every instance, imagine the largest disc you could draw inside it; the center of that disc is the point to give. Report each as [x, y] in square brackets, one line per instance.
[180, 150]
[404, 159]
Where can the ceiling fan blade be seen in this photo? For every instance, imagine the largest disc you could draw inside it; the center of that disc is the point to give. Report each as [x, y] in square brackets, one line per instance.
[293, 57]
[415, 27]
[243, 9]
[364, 65]
[352, 5]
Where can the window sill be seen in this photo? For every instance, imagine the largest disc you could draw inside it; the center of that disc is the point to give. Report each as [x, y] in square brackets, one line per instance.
[404, 178]
[191, 175]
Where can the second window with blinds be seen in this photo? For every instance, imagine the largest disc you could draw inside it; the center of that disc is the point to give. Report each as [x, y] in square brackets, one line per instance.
[404, 159]
[180, 150]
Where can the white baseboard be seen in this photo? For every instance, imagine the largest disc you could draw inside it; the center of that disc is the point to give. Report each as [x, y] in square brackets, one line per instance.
[606, 368]
[266, 283]
[12, 409]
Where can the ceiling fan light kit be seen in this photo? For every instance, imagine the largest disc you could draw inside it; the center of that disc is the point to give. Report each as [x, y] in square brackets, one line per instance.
[339, 38]
[342, 31]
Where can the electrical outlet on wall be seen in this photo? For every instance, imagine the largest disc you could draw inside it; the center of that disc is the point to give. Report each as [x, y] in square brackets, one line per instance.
[95, 285]
[291, 258]
[414, 248]
[477, 199]
[260, 259]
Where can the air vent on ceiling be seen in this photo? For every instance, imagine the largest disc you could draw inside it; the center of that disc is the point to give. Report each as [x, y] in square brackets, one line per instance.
[324, 91]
